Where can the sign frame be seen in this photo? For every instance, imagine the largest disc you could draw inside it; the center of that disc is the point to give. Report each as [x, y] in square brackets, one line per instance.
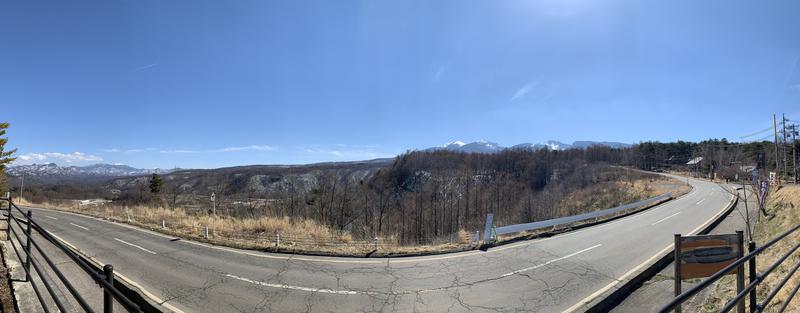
[701, 256]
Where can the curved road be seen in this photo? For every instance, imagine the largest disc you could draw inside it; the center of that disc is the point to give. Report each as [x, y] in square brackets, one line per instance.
[554, 274]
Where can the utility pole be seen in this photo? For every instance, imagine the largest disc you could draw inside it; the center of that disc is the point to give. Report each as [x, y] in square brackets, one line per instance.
[775, 143]
[22, 186]
[783, 121]
[794, 152]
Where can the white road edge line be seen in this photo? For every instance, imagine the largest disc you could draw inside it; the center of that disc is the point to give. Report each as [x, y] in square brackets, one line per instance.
[99, 264]
[79, 226]
[701, 201]
[50, 217]
[309, 289]
[625, 276]
[664, 219]
[549, 262]
[135, 246]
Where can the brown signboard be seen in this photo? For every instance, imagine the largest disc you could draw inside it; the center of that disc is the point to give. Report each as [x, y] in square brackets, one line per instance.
[704, 255]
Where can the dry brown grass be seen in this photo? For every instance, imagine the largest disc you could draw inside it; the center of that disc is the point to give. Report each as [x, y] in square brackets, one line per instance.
[299, 235]
[609, 194]
[633, 191]
[785, 206]
[296, 236]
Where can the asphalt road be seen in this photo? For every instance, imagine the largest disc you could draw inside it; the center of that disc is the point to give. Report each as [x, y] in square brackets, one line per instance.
[546, 275]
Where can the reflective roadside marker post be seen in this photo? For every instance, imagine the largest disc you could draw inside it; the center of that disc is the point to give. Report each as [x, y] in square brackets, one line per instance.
[488, 233]
[214, 212]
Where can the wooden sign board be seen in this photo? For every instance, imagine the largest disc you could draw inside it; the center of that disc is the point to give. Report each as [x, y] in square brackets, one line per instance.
[704, 255]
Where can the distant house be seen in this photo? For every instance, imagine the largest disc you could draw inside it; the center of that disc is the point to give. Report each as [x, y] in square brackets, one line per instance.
[695, 161]
[747, 168]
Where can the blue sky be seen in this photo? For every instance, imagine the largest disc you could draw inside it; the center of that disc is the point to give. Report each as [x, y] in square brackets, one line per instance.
[219, 83]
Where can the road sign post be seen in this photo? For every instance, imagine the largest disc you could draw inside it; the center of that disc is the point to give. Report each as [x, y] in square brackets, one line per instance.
[705, 255]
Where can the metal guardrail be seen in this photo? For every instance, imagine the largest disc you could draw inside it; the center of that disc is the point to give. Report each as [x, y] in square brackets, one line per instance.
[755, 279]
[577, 218]
[28, 227]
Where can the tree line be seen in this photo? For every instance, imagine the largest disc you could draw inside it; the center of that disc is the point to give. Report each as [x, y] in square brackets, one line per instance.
[421, 196]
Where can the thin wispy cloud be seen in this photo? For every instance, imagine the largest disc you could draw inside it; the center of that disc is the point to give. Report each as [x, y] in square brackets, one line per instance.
[260, 148]
[245, 148]
[350, 154]
[178, 151]
[524, 90]
[437, 76]
[139, 69]
[125, 151]
[74, 157]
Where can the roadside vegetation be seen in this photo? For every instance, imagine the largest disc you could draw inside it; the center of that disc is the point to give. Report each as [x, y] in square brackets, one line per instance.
[6, 157]
[783, 207]
[422, 203]
[433, 199]
[310, 236]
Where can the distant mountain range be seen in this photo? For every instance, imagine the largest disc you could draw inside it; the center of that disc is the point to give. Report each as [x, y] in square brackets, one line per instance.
[51, 172]
[96, 170]
[485, 146]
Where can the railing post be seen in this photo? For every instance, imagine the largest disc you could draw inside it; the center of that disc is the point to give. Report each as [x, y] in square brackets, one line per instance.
[740, 271]
[108, 300]
[28, 249]
[751, 246]
[678, 270]
[8, 220]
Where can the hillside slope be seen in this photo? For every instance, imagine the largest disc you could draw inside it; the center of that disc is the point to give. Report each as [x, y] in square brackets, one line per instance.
[783, 207]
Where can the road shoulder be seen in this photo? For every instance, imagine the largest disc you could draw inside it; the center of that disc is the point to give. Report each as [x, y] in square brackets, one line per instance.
[658, 290]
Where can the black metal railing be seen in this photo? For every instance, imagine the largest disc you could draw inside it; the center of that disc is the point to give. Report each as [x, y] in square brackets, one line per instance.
[755, 278]
[27, 227]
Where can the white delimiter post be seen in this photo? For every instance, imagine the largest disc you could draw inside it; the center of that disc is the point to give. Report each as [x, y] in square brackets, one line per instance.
[214, 212]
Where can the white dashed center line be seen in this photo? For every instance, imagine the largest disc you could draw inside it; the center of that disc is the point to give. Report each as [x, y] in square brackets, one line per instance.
[50, 217]
[664, 219]
[309, 289]
[549, 262]
[135, 246]
[701, 201]
[79, 226]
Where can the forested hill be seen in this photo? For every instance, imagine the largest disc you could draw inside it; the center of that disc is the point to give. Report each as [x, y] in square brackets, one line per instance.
[424, 194]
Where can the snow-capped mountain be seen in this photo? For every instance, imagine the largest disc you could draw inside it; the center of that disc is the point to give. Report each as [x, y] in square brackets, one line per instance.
[97, 170]
[550, 144]
[481, 146]
[485, 146]
[611, 144]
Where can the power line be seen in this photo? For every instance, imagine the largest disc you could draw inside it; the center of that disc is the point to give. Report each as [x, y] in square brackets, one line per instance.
[757, 133]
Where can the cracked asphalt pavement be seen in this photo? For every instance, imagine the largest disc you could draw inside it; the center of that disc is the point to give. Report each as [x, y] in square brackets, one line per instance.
[543, 275]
